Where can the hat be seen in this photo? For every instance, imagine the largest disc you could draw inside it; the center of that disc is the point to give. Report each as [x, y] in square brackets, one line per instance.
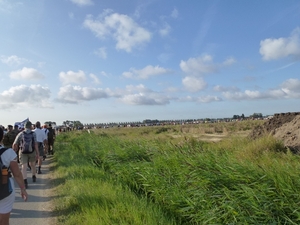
[28, 124]
[9, 126]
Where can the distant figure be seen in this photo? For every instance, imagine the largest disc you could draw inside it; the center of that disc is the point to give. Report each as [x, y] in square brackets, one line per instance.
[10, 166]
[41, 141]
[51, 139]
[26, 143]
[46, 131]
[9, 137]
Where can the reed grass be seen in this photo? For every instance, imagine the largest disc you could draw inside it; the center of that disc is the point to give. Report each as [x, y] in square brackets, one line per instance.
[146, 177]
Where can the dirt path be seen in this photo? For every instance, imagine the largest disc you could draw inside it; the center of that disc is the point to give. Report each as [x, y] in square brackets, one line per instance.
[38, 208]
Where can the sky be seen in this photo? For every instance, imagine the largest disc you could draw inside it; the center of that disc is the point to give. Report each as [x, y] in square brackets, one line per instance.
[101, 61]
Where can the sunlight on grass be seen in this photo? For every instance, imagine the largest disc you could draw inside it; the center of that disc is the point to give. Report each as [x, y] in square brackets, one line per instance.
[110, 179]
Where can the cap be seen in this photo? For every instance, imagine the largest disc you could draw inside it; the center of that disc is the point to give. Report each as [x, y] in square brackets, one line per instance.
[28, 124]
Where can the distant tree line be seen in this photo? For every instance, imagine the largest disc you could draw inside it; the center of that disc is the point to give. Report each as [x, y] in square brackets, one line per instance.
[254, 115]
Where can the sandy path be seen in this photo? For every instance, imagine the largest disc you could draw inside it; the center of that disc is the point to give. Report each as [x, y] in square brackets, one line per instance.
[38, 208]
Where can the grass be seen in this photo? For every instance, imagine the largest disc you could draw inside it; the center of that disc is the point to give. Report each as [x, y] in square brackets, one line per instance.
[146, 176]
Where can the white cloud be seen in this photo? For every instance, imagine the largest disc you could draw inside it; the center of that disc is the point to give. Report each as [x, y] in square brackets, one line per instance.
[174, 13]
[198, 66]
[208, 98]
[82, 2]
[272, 49]
[26, 74]
[143, 99]
[166, 30]
[201, 99]
[147, 72]
[194, 84]
[203, 65]
[291, 87]
[13, 60]
[229, 61]
[72, 77]
[220, 88]
[95, 78]
[77, 94]
[101, 52]
[141, 95]
[25, 97]
[123, 29]
[287, 90]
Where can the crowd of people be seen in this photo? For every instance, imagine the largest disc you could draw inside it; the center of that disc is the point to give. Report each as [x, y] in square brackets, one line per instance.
[21, 148]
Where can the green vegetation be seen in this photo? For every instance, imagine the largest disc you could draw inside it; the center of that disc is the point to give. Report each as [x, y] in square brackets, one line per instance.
[168, 175]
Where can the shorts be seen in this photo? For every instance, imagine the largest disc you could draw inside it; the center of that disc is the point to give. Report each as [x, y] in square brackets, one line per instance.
[41, 149]
[24, 158]
[6, 204]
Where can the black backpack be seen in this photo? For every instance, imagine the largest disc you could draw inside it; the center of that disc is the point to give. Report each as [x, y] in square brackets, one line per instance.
[5, 186]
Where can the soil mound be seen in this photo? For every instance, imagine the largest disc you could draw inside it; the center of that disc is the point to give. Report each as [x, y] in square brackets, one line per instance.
[283, 126]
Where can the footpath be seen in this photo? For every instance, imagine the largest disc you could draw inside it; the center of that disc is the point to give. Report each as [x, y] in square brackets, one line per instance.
[38, 208]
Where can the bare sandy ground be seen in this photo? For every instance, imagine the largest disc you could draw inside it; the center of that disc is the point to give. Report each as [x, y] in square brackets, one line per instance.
[38, 209]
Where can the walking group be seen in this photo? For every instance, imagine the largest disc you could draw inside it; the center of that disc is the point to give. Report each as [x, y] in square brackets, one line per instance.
[26, 148]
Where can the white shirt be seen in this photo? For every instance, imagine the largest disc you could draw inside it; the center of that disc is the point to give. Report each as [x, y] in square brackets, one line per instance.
[8, 156]
[40, 135]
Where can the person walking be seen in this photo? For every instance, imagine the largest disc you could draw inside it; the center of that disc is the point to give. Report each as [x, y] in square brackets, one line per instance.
[46, 131]
[26, 143]
[51, 139]
[41, 141]
[9, 160]
[9, 137]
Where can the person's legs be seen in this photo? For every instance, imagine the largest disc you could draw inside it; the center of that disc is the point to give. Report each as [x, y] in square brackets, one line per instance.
[24, 161]
[40, 159]
[32, 161]
[4, 218]
[50, 146]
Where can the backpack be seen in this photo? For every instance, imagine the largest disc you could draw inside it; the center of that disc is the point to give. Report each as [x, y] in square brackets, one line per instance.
[27, 143]
[5, 186]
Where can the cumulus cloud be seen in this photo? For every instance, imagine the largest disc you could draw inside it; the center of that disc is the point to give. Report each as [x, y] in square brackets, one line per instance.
[147, 72]
[76, 94]
[95, 78]
[122, 28]
[141, 95]
[203, 65]
[201, 99]
[26, 74]
[198, 66]
[72, 77]
[220, 88]
[194, 84]
[142, 99]
[165, 30]
[287, 90]
[83, 2]
[272, 49]
[26, 97]
[229, 61]
[291, 87]
[13, 60]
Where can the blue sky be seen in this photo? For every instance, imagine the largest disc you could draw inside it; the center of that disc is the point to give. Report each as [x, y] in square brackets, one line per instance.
[120, 61]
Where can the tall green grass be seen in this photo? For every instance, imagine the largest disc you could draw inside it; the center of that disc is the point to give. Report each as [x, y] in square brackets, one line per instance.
[109, 179]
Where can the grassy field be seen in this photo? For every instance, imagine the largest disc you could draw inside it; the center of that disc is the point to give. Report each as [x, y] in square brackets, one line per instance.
[191, 174]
